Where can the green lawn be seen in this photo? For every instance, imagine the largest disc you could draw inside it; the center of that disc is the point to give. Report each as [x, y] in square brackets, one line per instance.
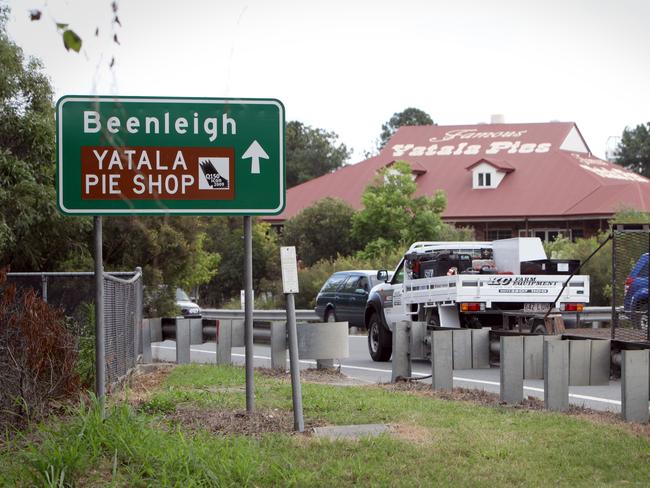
[434, 442]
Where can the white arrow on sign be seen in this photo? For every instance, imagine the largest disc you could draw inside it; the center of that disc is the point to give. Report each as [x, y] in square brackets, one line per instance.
[255, 152]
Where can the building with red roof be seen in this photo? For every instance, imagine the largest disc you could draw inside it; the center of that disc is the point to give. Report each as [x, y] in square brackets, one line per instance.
[504, 180]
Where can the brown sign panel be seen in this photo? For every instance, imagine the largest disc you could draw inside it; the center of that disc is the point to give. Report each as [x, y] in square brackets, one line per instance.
[168, 173]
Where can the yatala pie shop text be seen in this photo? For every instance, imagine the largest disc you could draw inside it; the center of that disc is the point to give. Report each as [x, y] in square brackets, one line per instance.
[157, 172]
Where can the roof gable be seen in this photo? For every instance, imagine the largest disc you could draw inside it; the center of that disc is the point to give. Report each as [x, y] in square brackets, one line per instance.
[499, 165]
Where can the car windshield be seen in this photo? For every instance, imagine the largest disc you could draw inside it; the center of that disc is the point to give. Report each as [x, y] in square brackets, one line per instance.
[181, 296]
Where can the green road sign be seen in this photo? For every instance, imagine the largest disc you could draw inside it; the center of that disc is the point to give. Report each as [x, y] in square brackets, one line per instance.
[146, 155]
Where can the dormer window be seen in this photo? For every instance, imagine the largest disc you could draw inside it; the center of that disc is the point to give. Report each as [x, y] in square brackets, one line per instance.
[488, 173]
[484, 179]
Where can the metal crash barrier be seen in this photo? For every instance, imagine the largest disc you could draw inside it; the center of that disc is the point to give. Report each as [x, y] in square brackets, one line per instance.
[323, 341]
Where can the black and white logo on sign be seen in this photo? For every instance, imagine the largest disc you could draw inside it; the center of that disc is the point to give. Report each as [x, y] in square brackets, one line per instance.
[214, 173]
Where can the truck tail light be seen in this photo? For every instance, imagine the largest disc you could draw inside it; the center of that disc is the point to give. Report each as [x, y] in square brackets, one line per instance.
[472, 307]
[572, 307]
[628, 283]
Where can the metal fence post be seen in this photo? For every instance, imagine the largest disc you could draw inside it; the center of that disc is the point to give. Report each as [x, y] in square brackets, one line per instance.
[139, 313]
[100, 359]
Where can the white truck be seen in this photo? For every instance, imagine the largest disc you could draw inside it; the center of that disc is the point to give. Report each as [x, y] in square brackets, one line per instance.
[471, 284]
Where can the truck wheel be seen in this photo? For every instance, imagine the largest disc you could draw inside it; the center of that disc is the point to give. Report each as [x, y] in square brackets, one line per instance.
[640, 315]
[380, 340]
[329, 315]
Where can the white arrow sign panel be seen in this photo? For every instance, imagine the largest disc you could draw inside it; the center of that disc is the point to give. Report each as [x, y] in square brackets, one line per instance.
[255, 152]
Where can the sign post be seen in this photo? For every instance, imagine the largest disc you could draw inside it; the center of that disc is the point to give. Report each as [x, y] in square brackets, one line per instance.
[290, 286]
[164, 155]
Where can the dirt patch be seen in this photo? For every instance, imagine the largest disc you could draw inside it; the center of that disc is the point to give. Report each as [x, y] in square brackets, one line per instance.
[236, 422]
[312, 375]
[414, 434]
[143, 382]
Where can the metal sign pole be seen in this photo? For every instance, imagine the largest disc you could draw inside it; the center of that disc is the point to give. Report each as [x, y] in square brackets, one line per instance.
[296, 387]
[100, 362]
[248, 311]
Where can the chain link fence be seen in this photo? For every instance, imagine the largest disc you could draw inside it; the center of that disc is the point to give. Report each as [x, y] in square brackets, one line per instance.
[630, 278]
[74, 293]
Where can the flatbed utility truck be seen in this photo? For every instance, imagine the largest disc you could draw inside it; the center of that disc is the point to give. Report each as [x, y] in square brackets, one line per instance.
[472, 285]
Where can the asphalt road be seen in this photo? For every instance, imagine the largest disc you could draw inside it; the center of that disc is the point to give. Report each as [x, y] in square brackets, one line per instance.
[359, 366]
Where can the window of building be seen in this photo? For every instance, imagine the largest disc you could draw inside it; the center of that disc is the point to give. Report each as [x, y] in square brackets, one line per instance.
[495, 234]
[484, 180]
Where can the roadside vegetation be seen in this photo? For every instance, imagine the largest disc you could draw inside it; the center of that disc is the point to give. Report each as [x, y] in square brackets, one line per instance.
[190, 429]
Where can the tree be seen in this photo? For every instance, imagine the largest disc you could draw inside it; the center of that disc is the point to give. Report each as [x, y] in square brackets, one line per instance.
[409, 116]
[312, 153]
[225, 235]
[633, 152]
[33, 234]
[321, 231]
[392, 215]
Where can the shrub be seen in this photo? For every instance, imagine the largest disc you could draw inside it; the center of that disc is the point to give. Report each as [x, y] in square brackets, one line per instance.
[37, 356]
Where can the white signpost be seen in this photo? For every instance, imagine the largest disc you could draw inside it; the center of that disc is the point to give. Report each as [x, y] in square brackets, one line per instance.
[290, 286]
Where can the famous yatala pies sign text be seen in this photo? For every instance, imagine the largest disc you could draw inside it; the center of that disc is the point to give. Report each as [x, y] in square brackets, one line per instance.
[119, 155]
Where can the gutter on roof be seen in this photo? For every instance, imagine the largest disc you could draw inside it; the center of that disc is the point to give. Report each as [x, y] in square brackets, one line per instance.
[530, 219]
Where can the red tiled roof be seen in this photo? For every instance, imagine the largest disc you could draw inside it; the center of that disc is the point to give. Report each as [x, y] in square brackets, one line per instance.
[551, 173]
[504, 166]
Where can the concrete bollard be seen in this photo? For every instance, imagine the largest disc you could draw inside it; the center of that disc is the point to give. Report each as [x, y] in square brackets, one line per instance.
[512, 369]
[600, 362]
[196, 331]
[441, 360]
[579, 362]
[556, 375]
[634, 385]
[237, 333]
[279, 345]
[146, 341]
[155, 328]
[417, 345]
[224, 342]
[462, 347]
[401, 357]
[182, 341]
[533, 357]
[481, 348]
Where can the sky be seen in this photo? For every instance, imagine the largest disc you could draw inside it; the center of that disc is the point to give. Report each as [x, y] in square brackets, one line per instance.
[348, 66]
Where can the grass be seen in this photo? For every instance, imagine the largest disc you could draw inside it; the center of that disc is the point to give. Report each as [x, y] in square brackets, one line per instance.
[436, 442]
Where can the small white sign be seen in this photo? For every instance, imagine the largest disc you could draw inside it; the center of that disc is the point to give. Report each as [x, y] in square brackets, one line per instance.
[289, 269]
[242, 298]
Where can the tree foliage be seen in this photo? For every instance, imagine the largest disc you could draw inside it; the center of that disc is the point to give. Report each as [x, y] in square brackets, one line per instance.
[633, 152]
[392, 215]
[33, 234]
[225, 235]
[321, 231]
[312, 152]
[409, 116]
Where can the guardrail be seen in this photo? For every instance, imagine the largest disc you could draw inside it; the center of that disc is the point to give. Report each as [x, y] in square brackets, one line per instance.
[261, 315]
[590, 314]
